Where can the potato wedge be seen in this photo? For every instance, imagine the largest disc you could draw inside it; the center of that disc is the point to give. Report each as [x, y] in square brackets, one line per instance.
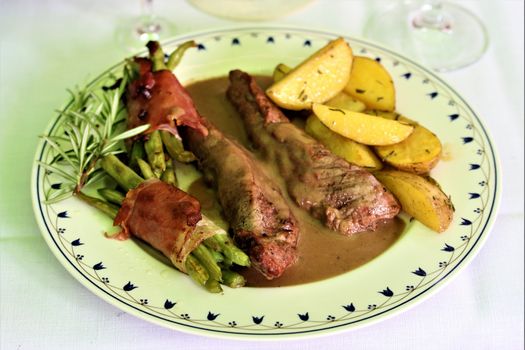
[418, 153]
[341, 100]
[322, 76]
[345, 101]
[280, 71]
[371, 83]
[345, 148]
[362, 128]
[420, 198]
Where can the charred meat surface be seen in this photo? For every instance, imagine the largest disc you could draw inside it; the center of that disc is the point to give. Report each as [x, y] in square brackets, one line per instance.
[262, 223]
[347, 198]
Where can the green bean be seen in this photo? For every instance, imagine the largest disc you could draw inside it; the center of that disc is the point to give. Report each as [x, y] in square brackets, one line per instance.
[169, 176]
[145, 169]
[230, 251]
[175, 148]
[196, 271]
[213, 286]
[155, 154]
[226, 262]
[137, 151]
[232, 279]
[217, 256]
[105, 207]
[112, 196]
[123, 175]
[212, 244]
[207, 260]
[176, 55]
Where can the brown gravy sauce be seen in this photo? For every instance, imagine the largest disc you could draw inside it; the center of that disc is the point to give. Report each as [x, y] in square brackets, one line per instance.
[322, 252]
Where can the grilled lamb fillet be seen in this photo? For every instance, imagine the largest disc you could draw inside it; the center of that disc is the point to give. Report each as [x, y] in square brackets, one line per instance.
[345, 197]
[262, 223]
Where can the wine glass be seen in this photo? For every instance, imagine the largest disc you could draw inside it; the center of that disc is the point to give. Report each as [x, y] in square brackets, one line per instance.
[134, 33]
[440, 34]
[249, 10]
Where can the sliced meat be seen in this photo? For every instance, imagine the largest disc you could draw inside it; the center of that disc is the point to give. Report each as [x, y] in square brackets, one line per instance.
[163, 216]
[261, 221]
[155, 98]
[345, 197]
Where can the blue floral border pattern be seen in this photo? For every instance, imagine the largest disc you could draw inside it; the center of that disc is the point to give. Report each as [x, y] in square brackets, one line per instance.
[419, 280]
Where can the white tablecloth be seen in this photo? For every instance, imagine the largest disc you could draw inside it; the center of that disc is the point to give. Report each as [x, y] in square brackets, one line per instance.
[50, 45]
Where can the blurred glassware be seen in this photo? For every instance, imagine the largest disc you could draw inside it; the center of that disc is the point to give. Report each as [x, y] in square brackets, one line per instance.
[134, 33]
[249, 10]
[439, 34]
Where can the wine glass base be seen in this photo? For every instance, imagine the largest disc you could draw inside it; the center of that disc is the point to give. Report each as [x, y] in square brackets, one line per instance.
[457, 40]
[133, 34]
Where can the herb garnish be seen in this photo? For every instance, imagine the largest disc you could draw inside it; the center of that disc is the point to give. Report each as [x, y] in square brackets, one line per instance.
[90, 128]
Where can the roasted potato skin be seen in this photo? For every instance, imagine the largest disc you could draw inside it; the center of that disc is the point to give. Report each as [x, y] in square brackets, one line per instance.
[317, 79]
[371, 83]
[362, 128]
[343, 147]
[418, 153]
[419, 197]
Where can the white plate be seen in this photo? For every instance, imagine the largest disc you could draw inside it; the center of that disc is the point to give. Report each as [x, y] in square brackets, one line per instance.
[416, 266]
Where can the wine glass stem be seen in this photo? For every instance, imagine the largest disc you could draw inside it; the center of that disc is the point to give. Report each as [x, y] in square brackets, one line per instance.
[431, 16]
[147, 9]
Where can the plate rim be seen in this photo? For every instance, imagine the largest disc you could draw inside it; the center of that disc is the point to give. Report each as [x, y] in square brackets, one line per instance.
[395, 310]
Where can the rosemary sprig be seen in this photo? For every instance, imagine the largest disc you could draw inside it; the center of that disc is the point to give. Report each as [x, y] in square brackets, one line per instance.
[90, 128]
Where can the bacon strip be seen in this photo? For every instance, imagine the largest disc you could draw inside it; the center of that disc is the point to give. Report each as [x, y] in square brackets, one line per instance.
[158, 98]
[163, 216]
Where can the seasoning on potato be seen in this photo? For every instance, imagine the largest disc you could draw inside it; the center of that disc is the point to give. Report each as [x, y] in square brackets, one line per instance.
[345, 101]
[371, 83]
[316, 80]
[363, 128]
